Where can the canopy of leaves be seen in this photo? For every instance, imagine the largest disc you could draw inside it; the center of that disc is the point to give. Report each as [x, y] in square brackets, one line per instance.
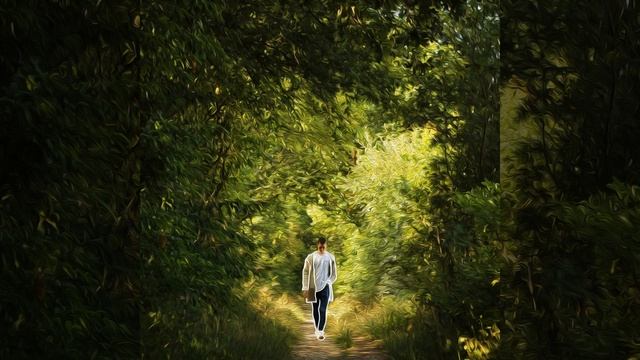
[162, 162]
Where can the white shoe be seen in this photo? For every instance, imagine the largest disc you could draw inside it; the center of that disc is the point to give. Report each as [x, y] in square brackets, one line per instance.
[321, 335]
[317, 333]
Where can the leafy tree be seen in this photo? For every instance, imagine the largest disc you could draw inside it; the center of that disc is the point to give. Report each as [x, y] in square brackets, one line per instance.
[572, 63]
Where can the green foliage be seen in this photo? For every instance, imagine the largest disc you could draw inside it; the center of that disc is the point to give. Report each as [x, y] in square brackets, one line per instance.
[572, 293]
[577, 71]
[208, 331]
[456, 262]
[164, 170]
[345, 338]
[568, 218]
[238, 102]
[388, 221]
[407, 227]
[451, 85]
[254, 114]
[68, 180]
[399, 322]
[179, 102]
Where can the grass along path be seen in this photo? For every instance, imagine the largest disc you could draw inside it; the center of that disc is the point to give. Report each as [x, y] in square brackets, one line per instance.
[309, 348]
[295, 315]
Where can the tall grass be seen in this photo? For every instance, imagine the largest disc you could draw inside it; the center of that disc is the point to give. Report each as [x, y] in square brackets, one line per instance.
[256, 325]
[249, 334]
[344, 338]
[407, 331]
[387, 320]
[390, 320]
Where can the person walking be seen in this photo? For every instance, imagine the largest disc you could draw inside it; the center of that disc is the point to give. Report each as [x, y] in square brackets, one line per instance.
[318, 274]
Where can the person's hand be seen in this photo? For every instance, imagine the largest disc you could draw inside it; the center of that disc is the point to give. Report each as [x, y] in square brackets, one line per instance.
[305, 293]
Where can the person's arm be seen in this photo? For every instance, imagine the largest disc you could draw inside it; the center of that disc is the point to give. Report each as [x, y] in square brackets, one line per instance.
[305, 274]
[334, 270]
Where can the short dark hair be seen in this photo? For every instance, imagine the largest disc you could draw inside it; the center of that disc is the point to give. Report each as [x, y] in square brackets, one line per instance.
[322, 240]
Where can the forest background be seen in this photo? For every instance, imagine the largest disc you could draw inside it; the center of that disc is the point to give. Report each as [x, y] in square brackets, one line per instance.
[166, 166]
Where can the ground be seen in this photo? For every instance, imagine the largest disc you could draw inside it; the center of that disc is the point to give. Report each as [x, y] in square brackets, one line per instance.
[309, 348]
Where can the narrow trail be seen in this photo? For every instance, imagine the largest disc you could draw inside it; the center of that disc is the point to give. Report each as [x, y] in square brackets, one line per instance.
[309, 348]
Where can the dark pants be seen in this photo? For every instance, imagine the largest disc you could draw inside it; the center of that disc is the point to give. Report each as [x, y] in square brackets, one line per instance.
[320, 308]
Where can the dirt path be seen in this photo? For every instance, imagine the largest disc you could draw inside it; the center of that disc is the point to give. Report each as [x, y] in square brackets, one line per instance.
[309, 348]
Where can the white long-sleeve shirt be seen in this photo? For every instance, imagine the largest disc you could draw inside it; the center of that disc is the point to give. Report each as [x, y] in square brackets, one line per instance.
[323, 269]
